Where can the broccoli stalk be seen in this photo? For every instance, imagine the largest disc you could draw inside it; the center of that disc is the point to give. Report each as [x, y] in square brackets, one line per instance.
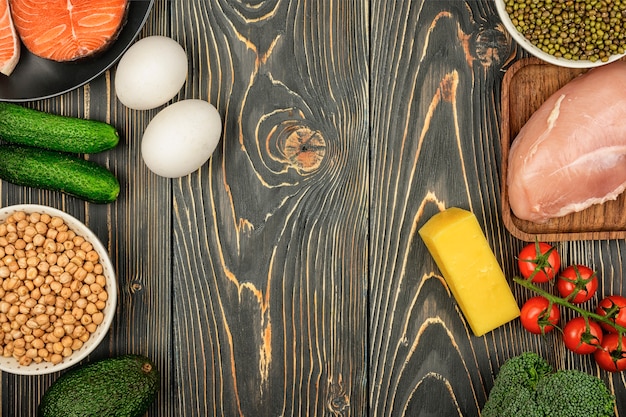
[526, 385]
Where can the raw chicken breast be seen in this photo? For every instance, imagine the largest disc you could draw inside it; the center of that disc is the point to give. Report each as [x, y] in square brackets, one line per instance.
[571, 153]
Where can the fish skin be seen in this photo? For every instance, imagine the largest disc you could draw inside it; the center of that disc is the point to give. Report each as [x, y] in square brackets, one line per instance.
[571, 153]
[68, 30]
[10, 45]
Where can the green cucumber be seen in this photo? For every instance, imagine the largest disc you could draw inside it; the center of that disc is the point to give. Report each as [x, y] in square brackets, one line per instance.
[24, 126]
[58, 171]
[123, 386]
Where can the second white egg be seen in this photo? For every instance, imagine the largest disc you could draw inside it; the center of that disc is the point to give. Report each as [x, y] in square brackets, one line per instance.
[181, 138]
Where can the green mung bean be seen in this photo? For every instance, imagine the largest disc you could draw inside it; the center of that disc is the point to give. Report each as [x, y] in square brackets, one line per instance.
[575, 29]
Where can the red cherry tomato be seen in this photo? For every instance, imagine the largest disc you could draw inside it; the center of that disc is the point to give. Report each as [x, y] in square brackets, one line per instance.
[582, 336]
[613, 308]
[577, 283]
[539, 316]
[539, 262]
[611, 355]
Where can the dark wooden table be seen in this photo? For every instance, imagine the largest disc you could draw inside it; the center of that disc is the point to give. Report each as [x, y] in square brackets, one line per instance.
[286, 277]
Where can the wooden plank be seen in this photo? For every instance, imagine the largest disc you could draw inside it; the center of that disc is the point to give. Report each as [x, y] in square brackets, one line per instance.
[270, 238]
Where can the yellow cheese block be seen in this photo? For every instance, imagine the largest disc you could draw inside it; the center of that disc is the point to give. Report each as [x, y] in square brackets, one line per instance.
[458, 245]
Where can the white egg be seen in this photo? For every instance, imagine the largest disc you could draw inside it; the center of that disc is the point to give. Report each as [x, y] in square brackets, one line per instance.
[150, 73]
[181, 138]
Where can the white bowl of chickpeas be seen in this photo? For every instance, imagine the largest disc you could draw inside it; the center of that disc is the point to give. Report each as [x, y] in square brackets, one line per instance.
[570, 34]
[58, 290]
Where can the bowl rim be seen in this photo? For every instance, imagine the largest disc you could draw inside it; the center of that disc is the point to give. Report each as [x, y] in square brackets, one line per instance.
[529, 47]
[10, 364]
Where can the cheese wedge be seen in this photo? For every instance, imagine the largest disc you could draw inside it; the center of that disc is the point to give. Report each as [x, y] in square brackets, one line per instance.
[457, 243]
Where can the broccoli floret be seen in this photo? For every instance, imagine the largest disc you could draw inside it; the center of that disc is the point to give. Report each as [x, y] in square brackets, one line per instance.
[513, 391]
[572, 393]
[519, 402]
[527, 386]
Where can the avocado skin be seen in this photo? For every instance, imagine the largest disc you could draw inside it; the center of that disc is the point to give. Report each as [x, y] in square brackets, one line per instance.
[113, 387]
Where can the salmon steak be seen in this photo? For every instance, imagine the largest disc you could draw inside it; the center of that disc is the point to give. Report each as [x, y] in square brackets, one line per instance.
[68, 30]
[571, 153]
[9, 40]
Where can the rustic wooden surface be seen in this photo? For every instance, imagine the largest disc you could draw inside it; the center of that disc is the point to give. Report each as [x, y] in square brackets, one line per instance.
[286, 276]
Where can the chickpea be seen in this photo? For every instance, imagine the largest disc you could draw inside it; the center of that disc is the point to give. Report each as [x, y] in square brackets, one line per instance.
[101, 280]
[97, 318]
[49, 299]
[39, 280]
[80, 303]
[52, 289]
[68, 319]
[69, 328]
[62, 236]
[21, 319]
[30, 303]
[31, 323]
[42, 320]
[37, 343]
[92, 256]
[58, 347]
[56, 287]
[85, 291]
[67, 341]
[13, 311]
[65, 277]
[55, 270]
[88, 266]
[25, 360]
[63, 260]
[78, 313]
[31, 353]
[66, 293]
[79, 331]
[89, 278]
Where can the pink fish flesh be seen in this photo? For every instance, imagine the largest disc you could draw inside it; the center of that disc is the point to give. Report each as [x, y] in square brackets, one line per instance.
[571, 154]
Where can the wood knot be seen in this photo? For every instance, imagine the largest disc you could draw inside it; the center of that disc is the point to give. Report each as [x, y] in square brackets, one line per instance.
[303, 147]
[491, 47]
[135, 287]
[338, 401]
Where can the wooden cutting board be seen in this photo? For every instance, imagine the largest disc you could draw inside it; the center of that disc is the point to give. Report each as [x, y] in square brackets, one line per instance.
[526, 85]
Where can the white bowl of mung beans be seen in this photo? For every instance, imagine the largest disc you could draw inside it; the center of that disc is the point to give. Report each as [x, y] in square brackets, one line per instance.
[58, 290]
[567, 33]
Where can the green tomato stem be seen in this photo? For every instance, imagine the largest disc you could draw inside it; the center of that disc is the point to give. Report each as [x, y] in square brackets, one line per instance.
[526, 283]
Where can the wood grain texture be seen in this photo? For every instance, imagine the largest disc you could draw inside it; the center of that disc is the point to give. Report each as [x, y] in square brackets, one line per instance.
[269, 239]
[286, 276]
